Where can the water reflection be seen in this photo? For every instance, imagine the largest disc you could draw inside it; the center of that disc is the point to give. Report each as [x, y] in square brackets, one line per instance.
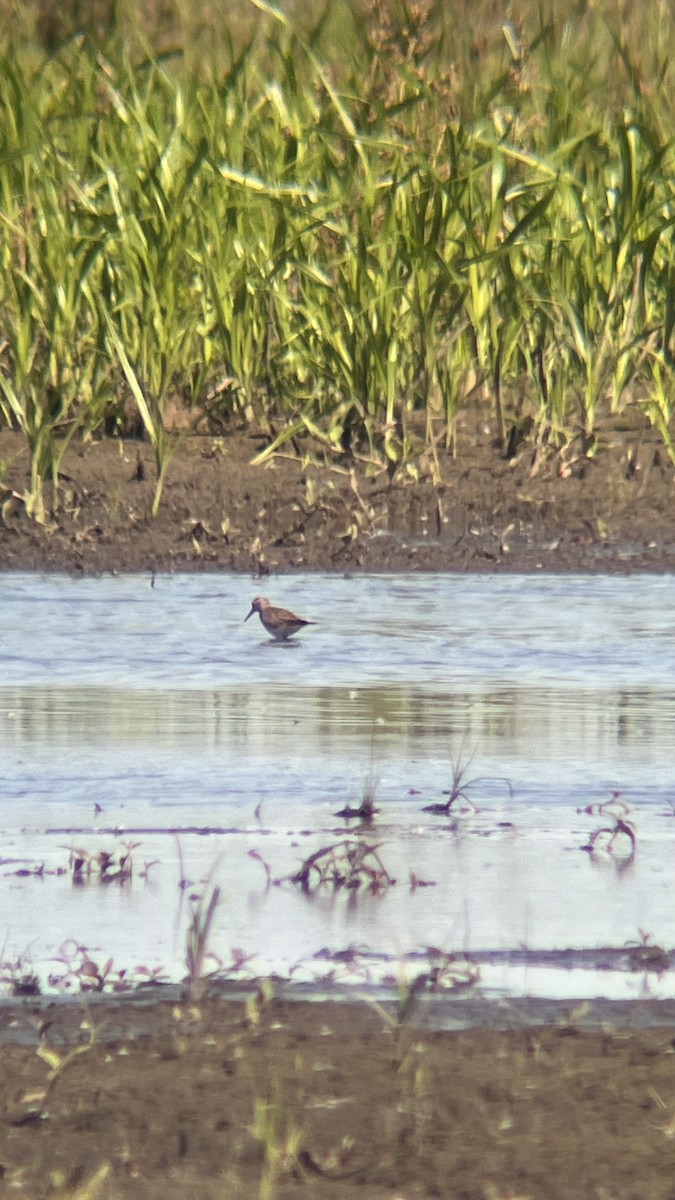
[541, 723]
[159, 708]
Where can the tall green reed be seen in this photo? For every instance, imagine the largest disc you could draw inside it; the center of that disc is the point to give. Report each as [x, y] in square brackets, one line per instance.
[364, 234]
[51, 370]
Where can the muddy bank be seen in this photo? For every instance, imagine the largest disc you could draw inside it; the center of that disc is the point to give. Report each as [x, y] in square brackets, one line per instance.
[474, 512]
[284, 1100]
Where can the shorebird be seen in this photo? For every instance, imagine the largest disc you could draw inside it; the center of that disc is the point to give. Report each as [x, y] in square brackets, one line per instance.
[278, 622]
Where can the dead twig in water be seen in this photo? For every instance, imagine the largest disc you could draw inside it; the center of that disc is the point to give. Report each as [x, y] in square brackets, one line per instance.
[348, 864]
[460, 786]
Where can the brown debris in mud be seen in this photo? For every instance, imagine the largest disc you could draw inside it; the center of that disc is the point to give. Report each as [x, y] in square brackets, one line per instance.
[485, 512]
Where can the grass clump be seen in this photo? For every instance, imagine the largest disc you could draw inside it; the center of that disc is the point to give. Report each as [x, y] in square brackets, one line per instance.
[345, 228]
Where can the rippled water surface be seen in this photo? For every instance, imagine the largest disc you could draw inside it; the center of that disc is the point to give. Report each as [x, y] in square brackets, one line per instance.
[154, 715]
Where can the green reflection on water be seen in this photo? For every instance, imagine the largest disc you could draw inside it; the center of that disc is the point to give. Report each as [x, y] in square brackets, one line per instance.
[396, 720]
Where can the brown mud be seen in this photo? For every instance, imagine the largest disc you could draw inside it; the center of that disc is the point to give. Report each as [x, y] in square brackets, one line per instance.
[291, 1100]
[478, 510]
[284, 1100]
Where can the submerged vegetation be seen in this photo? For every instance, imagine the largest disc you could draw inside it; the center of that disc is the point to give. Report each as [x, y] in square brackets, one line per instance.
[344, 229]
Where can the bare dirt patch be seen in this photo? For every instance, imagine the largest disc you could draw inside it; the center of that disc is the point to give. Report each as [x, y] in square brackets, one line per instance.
[287, 1100]
[479, 510]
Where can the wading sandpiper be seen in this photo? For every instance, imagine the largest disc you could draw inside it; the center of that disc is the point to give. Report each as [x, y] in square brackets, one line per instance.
[278, 622]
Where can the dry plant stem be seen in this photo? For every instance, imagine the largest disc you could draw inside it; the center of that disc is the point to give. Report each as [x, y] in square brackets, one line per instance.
[347, 864]
[199, 931]
[460, 785]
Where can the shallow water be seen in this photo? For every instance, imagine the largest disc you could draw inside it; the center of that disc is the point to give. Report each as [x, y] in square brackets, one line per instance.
[159, 707]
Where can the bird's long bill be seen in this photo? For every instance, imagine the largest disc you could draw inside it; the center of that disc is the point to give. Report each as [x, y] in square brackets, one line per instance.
[249, 615]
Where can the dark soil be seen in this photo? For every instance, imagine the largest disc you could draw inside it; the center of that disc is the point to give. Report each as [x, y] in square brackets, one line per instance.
[286, 1100]
[479, 510]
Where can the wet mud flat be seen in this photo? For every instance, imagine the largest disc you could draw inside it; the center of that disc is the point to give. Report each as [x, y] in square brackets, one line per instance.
[260, 1095]
[478, 511]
